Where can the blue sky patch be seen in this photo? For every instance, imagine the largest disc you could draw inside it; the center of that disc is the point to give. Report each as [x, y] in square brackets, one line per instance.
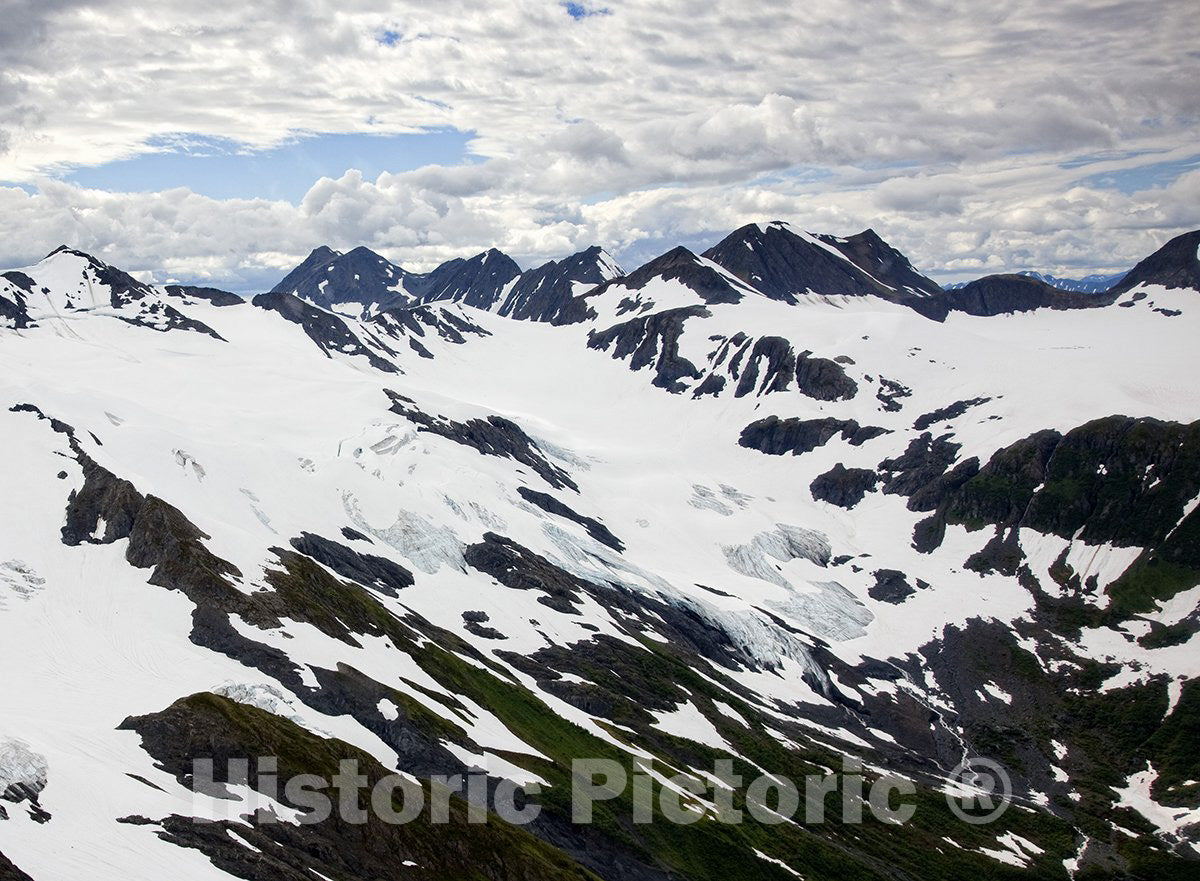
[1143, 177]
[1105, 156]
[578, 11]
[224, 169]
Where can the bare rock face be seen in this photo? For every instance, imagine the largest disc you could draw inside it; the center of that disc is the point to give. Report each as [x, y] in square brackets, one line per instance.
[842, 486]
[1175, 265]
[652, 341]
[9, 872]
[777, 437]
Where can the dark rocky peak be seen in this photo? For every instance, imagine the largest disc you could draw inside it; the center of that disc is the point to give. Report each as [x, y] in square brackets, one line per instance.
[1175, 265]
[592, 265]
[318, 258]
[594, 259]
[785, 265]
[541, 294]
[321, 254]
[476, 281]
[327, 278]
[67, 249]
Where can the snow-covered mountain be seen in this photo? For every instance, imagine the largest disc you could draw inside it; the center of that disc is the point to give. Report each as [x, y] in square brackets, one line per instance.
[791, 507]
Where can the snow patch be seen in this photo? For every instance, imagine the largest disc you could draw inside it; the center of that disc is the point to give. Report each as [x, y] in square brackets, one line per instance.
[762, 856]
[997, 692]
[1136, 795]
[688, 722]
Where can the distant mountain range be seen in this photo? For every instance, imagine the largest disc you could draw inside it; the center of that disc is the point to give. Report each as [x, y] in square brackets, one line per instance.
[1088, 284]
[772, 260]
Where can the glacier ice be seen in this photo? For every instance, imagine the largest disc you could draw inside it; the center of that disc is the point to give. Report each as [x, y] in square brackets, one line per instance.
[783, 543]
[23, 772]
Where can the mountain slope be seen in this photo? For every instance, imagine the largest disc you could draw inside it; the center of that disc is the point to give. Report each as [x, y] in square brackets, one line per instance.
[407, 542]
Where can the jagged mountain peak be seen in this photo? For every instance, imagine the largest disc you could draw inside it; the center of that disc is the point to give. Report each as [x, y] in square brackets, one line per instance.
[477, 281]
[67, 249]
[870, 252]
[677, 257]
[594, 264]
[677, 254]
[318, 257]
[786, 264]
[1175, 265]
[362, 282]
[604, 259]
[357, 281]
[321, 253]
[122, 283]
[546, 292]
[593, 255]
[488, 256]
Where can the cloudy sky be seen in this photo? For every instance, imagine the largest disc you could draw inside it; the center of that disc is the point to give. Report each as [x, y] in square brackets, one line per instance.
[220, 142]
